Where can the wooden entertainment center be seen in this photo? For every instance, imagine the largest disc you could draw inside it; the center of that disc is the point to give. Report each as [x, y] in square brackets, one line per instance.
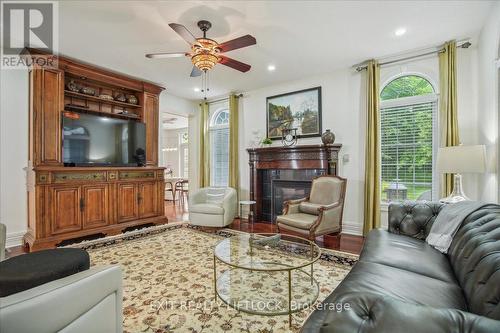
[74, 202]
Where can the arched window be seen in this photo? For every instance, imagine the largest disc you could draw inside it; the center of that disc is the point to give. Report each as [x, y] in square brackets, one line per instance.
[219, 143]
[406, 86]
[220, 118]
[408, 113]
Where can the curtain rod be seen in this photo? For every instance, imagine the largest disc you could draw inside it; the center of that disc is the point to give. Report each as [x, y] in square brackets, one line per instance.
[462, 45]
[222, 99]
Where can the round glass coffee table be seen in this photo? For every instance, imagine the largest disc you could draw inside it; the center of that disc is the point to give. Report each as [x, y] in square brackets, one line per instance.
[268, 274]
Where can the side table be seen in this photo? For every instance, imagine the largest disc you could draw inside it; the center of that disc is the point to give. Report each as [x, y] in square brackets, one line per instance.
[248, 203]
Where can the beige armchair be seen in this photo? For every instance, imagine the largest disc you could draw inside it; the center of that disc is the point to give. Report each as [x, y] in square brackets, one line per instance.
[320, 213]
[213, 207]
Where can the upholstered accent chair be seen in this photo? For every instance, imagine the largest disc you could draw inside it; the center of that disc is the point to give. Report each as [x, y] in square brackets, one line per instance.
[213, 207]
[320, 213]
[88, 301]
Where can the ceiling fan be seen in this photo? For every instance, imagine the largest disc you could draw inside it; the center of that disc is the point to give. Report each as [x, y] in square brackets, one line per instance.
[205, 52]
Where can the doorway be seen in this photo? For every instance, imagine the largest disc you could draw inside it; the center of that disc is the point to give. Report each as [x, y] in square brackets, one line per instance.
[174, 157]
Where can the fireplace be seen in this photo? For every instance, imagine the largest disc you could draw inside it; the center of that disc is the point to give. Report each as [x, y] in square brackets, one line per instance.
[279, 185]
[278, 174]
[284, 190]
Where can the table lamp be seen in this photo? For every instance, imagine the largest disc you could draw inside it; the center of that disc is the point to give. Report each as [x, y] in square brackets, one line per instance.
[458, 160]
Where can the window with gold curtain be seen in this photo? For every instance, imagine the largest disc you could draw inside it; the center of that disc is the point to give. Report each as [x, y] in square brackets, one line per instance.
[234, 171]
[448, 105]
[372, 157]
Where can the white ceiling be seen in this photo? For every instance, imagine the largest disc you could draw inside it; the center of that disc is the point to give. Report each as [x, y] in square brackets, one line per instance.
[301, 38]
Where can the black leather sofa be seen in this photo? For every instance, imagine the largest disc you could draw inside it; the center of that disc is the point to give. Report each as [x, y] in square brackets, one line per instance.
[401, 284]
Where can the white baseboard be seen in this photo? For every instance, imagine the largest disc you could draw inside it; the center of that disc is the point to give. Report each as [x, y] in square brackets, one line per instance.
[352, 228]
[14, 239]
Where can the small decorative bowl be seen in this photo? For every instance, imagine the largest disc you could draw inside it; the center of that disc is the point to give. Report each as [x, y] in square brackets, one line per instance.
[132, 99]
[88, 91]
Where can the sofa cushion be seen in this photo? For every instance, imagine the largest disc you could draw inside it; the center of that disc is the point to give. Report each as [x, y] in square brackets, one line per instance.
[299, 220]
[413, 218]
[33, 269]
[309, 208]
[215, 196]
[474, 255]
[374, 278]
[206, 208]
[406, 253]
[370, 313]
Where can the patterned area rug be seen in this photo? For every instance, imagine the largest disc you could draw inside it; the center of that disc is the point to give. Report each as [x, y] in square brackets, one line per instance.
[168, 282]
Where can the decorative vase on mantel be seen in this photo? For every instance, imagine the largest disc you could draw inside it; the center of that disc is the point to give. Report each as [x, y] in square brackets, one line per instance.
[328, 137]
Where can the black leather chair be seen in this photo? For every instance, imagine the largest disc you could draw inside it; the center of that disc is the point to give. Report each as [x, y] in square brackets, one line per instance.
[401, 284]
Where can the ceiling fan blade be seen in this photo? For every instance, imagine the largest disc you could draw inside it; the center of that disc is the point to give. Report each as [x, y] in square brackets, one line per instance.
[238, 43]
[166, 55]
[183, 32]
[195, 72]
[242, 67]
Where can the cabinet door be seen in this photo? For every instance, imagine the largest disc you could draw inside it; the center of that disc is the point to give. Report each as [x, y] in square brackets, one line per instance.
[127, 202]
[151, 109]
[47, 104]
[64, 203]
[95, 206]
[148, 199]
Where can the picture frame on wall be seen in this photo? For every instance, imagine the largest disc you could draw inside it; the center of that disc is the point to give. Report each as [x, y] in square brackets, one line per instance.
[298, 109]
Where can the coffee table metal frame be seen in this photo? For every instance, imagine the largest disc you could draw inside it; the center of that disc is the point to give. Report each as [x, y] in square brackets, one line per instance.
[286, 268]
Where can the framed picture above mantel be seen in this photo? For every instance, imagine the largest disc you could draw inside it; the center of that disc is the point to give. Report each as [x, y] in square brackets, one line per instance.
[298, 109]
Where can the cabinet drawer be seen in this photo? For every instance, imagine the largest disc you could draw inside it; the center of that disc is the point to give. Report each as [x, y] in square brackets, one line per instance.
[127, 175]
[65, 177]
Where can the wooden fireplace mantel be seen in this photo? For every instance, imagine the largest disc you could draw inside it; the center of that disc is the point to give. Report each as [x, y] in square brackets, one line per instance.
[296, 157]
[324, 157]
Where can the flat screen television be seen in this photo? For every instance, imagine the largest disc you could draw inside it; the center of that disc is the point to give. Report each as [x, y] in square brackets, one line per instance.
[90, 140]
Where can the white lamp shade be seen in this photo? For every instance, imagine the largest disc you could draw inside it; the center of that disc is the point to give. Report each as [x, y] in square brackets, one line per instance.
[462, 159]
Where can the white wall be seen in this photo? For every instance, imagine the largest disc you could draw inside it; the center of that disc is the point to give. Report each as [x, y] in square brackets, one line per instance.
[172, 159]
[488, 108]
[176, 105]
[343, 96]
[13, 153]
[194, 150]
[342, 102]
[187, 108]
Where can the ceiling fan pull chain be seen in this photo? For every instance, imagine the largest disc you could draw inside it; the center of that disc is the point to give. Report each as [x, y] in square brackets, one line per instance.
[202, 83]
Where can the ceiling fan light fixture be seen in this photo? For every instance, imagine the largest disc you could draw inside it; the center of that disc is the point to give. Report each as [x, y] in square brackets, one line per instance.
[205, 62]
[205, 54]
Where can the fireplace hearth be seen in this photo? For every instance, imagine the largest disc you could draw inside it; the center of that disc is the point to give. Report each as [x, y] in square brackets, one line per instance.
[278, 174]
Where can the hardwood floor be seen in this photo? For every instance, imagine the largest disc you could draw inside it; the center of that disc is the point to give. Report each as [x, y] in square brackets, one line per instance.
[179, 213]
[343, 242]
